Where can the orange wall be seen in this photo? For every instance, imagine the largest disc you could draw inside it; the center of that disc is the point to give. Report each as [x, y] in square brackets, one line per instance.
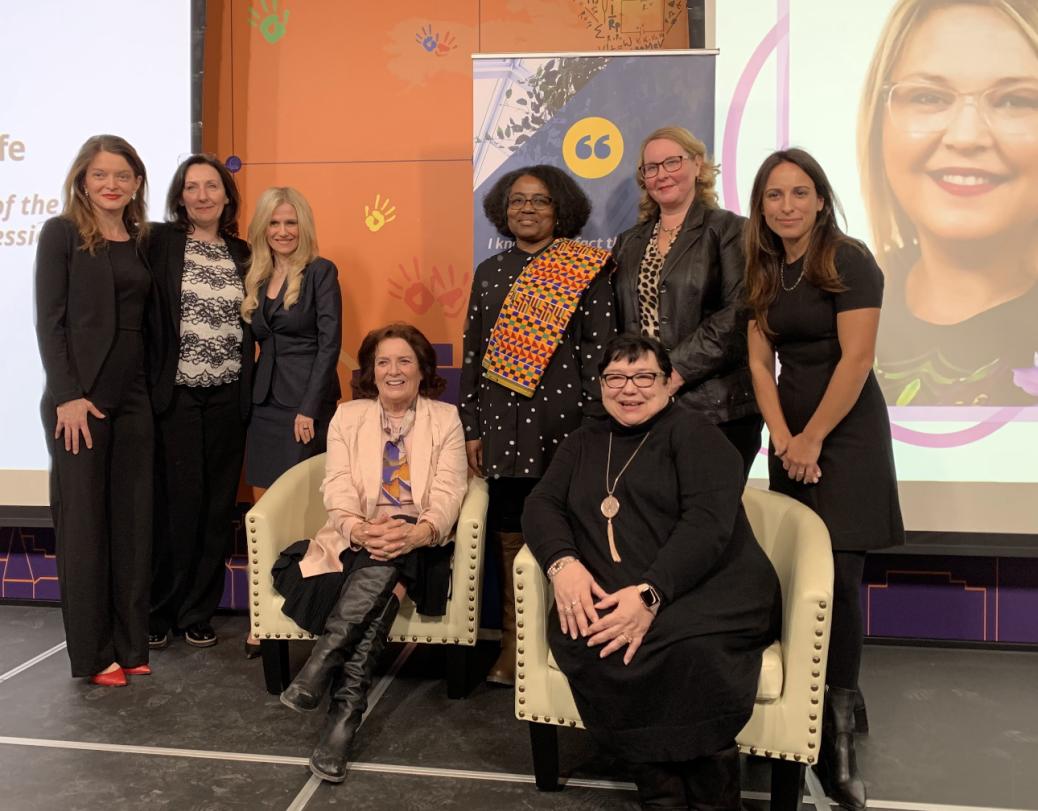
[358, 104]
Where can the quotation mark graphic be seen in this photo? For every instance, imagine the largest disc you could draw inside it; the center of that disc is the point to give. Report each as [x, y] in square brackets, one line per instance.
[593, 147]
[269, 23]
[446, 289]
[383, 212]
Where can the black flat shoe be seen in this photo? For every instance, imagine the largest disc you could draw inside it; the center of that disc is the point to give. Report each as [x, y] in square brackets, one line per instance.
[253, 650]
[201, 635]
[158, 641]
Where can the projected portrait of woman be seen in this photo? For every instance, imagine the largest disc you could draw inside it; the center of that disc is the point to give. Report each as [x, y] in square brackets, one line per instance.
[948, 150]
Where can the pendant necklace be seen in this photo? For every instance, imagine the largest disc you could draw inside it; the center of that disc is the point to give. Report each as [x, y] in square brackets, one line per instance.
[782, 277]
[610, 504]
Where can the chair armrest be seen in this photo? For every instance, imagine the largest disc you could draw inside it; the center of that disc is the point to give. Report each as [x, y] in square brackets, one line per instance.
[460, 623]
[291, 510]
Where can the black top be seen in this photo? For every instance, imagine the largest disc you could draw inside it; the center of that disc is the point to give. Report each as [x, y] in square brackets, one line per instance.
[702, 315]
[968, 363]
[857, 494]
[519, 433]
[681, 527]
[132, 284]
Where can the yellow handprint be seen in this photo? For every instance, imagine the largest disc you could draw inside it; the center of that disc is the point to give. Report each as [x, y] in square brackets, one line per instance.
[382, 213]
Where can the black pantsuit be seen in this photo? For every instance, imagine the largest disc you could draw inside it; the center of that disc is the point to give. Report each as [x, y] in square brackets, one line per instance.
[201, 443]
[98, 320]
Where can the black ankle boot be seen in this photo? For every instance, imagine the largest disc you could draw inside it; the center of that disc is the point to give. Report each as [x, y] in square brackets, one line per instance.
[363, 596]
[861, 715]
[837, 766]
[713, 783]
[350, 698]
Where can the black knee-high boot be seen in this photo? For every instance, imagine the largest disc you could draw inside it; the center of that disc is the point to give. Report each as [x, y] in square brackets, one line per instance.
[837, 766]
[350, 697]
[713, 783]
[363, 596]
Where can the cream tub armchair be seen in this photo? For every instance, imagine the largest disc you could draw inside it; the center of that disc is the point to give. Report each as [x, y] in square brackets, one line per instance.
[787, 717]
[293, 509]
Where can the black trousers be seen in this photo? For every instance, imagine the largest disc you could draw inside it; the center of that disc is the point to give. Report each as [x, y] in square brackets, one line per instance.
[846, 636]
[744, 433]
[201, 442]
[101, 504]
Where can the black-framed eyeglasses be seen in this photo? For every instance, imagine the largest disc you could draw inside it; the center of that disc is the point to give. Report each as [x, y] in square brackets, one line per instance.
[643, 380]
[540, 202]
[671, 164]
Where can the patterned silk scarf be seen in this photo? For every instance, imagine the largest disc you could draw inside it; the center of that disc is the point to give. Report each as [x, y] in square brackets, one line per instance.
[396, 473]
[537, 311]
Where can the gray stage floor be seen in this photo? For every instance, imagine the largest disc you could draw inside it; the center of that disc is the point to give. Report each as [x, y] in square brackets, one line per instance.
[951, 729]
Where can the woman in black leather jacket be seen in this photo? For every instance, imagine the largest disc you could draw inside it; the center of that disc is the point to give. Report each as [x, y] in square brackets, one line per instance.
[679, 279]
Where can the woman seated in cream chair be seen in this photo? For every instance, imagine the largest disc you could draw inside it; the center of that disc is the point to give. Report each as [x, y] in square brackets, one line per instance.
[665, 601]
[393, 487]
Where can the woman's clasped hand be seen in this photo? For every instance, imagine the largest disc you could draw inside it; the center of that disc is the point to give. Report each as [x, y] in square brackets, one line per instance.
[587, 610]
[386, 538]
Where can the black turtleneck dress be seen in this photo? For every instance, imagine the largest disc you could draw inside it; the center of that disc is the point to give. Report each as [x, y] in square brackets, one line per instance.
[681, 527]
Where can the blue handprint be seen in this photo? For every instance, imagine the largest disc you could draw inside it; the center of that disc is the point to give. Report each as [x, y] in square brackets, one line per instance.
[427, 39]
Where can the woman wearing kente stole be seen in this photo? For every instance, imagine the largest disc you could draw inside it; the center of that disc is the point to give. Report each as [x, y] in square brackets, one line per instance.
[539, 315]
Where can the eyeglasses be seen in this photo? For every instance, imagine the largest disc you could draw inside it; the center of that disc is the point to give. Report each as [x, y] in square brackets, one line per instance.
[539, 202]
[643, 380]
[671, 164]
[920, 107]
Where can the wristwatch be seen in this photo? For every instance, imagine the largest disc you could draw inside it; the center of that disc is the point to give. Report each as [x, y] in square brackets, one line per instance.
[650, 597]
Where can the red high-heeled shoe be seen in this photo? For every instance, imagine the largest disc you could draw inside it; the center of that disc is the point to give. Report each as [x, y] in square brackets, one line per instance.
[139, 670]
[114, 678]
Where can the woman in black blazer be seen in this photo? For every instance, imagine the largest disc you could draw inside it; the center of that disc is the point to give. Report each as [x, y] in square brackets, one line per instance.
[100, 331]
[293, 301]
[202, 399]
[679, 279]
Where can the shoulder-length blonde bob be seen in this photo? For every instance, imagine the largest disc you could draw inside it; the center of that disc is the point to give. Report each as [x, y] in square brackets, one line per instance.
[77, 204]
[261, 267]
[892, 230]
[648, 209]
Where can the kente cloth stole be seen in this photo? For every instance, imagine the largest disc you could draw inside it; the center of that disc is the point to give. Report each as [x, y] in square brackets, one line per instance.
[396, 476]
[537, 311]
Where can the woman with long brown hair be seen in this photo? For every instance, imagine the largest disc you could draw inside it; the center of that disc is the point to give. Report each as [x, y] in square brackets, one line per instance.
[815, 295]
[100, 331]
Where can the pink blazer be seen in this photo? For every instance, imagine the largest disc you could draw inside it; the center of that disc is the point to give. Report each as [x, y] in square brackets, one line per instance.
[353, 475]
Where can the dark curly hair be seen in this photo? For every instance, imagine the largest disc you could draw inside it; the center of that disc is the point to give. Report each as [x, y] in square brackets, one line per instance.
[363, 384]
[631, 347]
[175, 211]
[572, 206]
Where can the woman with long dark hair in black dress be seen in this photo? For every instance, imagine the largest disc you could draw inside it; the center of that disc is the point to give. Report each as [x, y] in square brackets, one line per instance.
[815, 297]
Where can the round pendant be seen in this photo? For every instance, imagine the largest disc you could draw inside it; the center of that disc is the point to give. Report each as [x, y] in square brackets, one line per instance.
[610, 506]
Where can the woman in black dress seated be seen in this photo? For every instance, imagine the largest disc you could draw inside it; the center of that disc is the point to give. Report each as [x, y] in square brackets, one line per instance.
[815, 296]
[665, 600]
[393, 487]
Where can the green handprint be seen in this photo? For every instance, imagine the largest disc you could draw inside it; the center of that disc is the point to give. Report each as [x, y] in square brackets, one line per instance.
[271, 26]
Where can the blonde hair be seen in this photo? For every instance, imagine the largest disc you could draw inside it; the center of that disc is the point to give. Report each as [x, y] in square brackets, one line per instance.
[648, 209]
[77, 205]
[892, 229]
[261, 266]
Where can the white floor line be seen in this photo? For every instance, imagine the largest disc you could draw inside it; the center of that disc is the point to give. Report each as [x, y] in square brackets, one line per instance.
[10, 674]
[426, 771]
[815, 794]
[310, 787]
